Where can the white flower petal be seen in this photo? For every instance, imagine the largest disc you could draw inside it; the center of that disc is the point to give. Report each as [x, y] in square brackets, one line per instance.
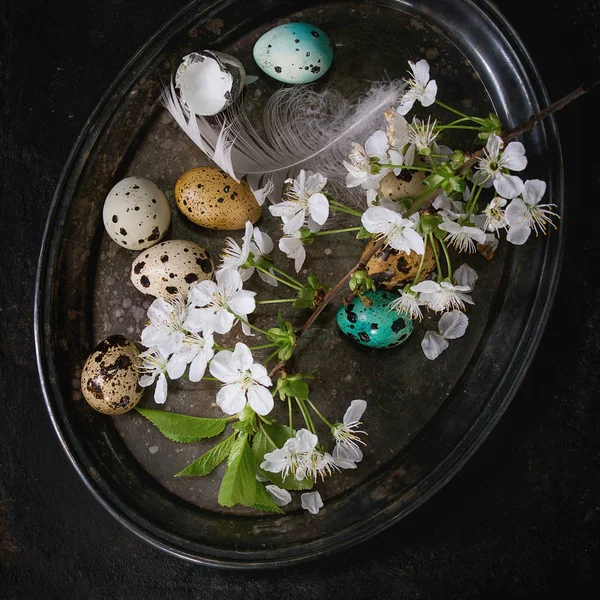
[260, 399]
[433, 344]
[260, 374]
[453, 324]
[242, 302]
[312, 502]
[231, 398]
[518, 235]
[428, 96]
[355, 411]
[306, 440]
[160, 392]
[513, 157]
[466, 276]
[198, 366]
[201, 293]
[241, 358]
[147, 380]
[426, 287]
[508, 186]
[533, 191]
[176, 366]
[494, 145]
[295, 223]
[280, 496]
[223, 367]
[516, 213]
[318, 206]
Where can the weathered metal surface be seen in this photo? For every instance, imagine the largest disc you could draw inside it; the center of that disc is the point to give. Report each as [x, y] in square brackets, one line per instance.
[419, 412]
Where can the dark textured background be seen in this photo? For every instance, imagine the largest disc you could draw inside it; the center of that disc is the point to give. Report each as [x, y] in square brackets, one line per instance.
[521, 520]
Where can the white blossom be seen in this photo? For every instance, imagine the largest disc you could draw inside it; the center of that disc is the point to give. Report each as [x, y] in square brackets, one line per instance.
[165, 331]
[292, 246]
[214, 307]
[417, 137]
[443, 296]
[462, 237]
[346, 435]
[255, 245]
[154, 365]
[363, 168]
[495, 215]
[408, 303]
[494, 164]
[399, 233]
[196, 351]
[312, 502]
[421, 88]
[526, 213]
[245, 381]
[293, 457]
[448, 209]
[451, 326]
[305, 203]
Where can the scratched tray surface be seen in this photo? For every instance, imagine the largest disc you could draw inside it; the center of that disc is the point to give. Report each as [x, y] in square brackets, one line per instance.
[419, 412]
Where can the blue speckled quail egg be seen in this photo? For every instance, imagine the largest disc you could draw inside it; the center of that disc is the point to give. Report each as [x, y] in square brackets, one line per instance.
[136, 213]
[294, 53]
[209, 81]
[109, 379]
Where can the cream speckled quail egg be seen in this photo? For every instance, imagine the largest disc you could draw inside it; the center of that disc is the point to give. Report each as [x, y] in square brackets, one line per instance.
[169, 268]
[136, 213]
[109, 379]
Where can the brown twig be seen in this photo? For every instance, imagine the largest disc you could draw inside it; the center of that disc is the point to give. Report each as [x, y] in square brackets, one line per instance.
[361, 264]
[506, 137]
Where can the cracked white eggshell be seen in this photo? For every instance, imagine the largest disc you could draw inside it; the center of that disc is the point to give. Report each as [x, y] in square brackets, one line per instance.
[136, 213]
[208, 82]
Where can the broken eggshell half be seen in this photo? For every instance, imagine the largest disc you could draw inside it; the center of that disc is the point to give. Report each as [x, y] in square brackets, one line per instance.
[209, 81]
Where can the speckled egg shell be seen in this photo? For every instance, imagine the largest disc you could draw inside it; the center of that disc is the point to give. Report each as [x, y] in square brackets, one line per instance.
[409, 184]
[109, 379]
[169, 268]
[374, 326]
[294, 53]
[211, 198]
[391, 268]
[136, 213]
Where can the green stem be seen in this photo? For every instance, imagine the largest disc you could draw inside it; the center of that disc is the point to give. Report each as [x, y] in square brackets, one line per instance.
[250, 325]
[291, 285]
[273, 354]
[411, 168]
[265, 420]
[307, 418]
[437, 258]
[262, 347]
[473, 200]
[319, 414]
[210, 379]
[332, 231]
[418, 275]
[281, 301]
[472, 127]
[417, 204]
[345, 209]
[456, 112]
[290, 414]
[284, 274]
[447, 259]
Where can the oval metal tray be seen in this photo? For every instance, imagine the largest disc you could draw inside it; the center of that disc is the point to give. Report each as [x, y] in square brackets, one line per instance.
[424, 419]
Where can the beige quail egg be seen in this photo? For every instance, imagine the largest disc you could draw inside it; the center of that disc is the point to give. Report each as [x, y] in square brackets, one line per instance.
[136, 213]
[169, 268]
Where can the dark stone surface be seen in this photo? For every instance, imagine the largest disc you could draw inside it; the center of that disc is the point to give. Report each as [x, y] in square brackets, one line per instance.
[521, 520]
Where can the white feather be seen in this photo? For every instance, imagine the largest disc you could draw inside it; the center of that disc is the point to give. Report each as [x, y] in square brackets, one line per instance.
[304, 129]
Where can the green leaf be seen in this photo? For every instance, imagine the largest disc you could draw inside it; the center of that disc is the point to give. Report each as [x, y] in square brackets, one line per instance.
[363, 234]
[181, 428]
[239, 482]
[264, 501]
[210, 460]
[269, 438]
[312, 293]
[244, 426]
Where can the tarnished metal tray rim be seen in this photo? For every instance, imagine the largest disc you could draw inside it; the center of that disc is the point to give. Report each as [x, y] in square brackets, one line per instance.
[502, 34]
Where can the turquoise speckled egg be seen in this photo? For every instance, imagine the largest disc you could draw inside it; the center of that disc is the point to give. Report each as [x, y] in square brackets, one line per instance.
[294, 53]
[374, 326]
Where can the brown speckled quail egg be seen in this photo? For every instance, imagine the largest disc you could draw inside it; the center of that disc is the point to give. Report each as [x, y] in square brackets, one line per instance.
[406, 185]
[211, 198]
[109, 379]
[136, 213]
[170, 268]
